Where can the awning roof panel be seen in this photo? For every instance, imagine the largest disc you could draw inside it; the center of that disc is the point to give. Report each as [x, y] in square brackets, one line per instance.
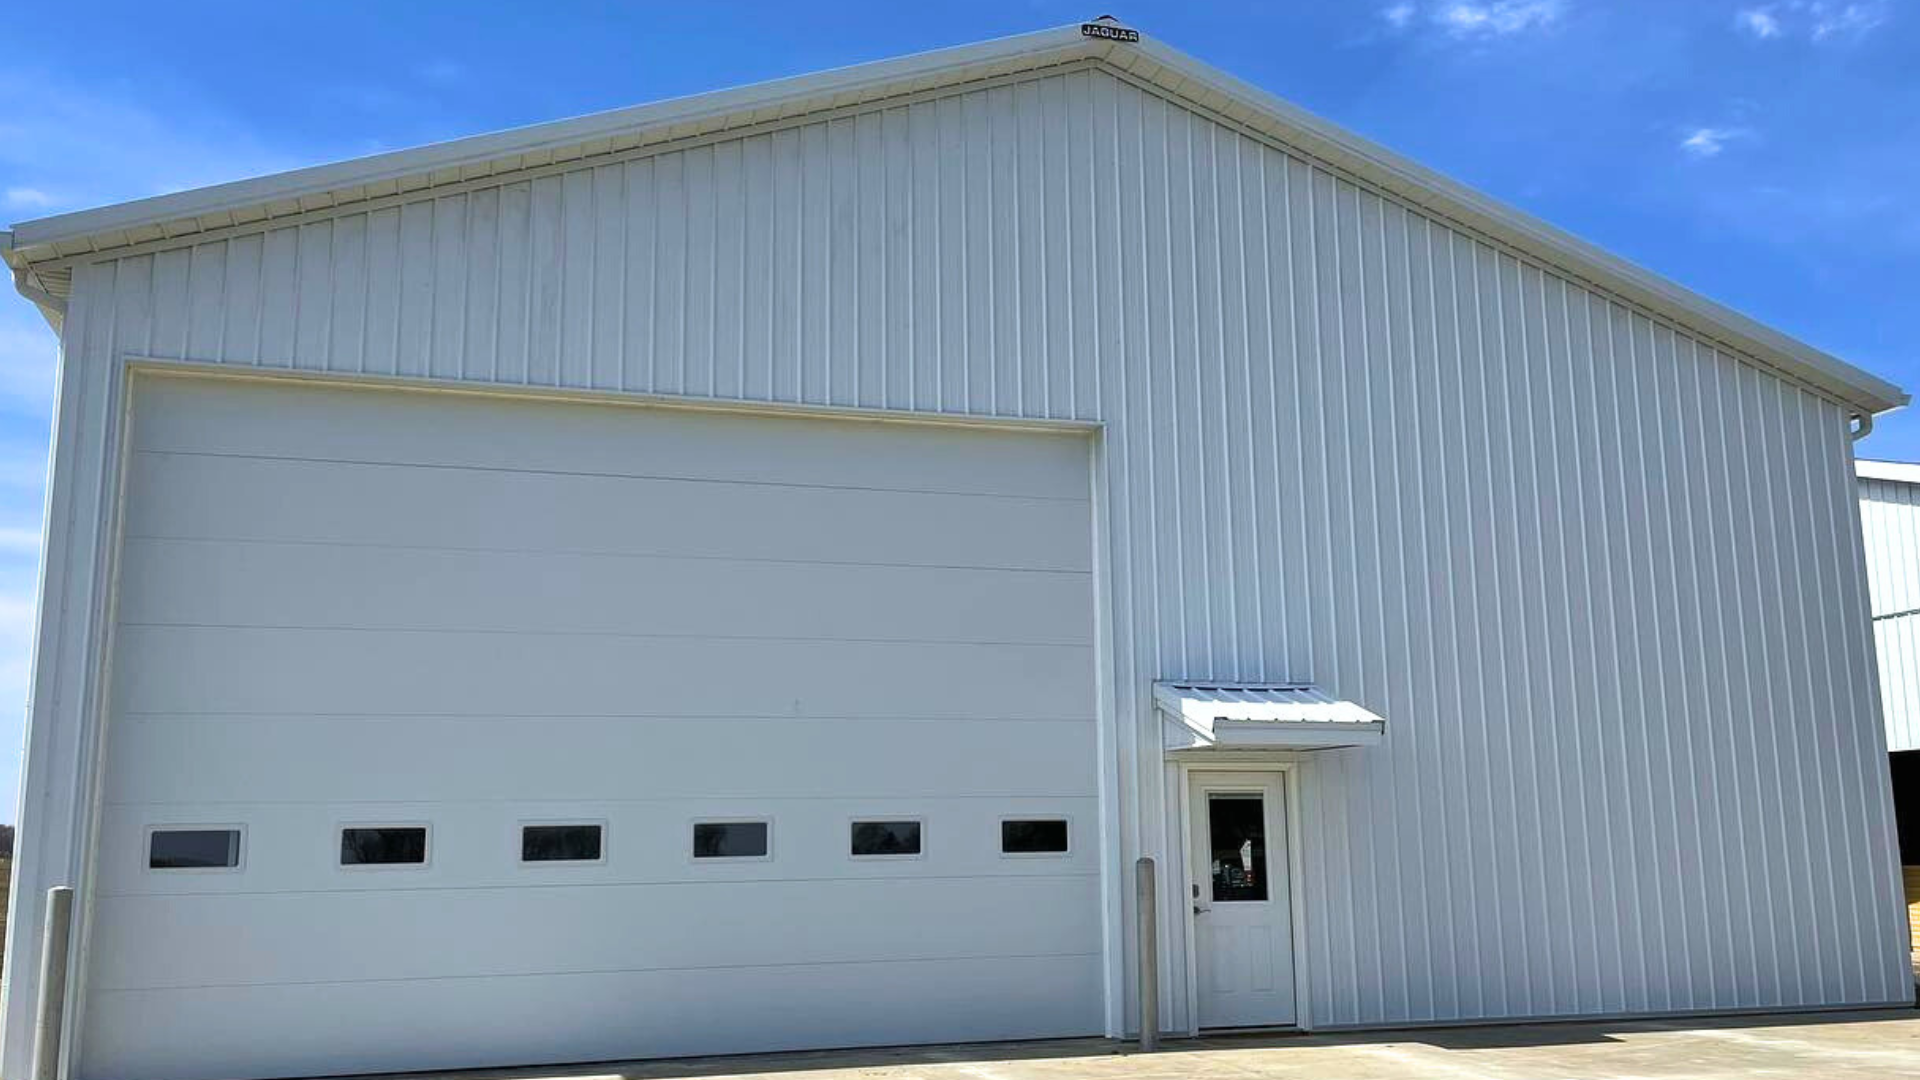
[1262, 716]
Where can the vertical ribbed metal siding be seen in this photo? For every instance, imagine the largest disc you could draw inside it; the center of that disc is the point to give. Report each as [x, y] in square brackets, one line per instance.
[1602, 578]
[1890, 526]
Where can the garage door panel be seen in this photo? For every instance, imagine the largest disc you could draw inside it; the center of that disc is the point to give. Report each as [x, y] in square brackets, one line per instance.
[371, 607]
[300, 501]
[293, 847]
[612, 440]
[427, 933]
[231, 583]
[228, 670]
[429, 1024]
[268, 759]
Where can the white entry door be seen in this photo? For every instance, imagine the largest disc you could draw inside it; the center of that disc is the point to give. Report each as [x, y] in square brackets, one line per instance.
[1243, 918]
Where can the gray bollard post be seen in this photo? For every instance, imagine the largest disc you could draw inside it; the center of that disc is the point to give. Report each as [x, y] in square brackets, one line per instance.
[58, 927]
[1146, 898]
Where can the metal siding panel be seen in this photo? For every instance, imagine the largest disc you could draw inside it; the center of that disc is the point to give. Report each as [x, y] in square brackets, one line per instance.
[240, 337]
[919, 382]
[414, 326]
[172, 285]
[1575, 557]
[206, 300]
[383, 293]
[815, 257]
[546, 274]
[698, 236]
[280, 298]
[450, 353]
[1000, 269]
[480, 358]
[313, 295]
[867, 352]
[757, 271]
[346, 331]
[1706, 538]
[726, 346]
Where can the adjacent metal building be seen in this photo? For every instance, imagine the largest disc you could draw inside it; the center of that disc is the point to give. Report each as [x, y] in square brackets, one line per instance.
[756, 570]
[1890, 526]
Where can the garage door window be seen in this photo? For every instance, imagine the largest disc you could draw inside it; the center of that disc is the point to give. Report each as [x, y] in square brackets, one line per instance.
[732, 840]
[383, 845]
[886, 839]
[1033, 836]
[193, 849]
[569, 842]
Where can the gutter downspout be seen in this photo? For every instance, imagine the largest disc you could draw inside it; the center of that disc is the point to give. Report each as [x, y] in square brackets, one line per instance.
[1865, 428]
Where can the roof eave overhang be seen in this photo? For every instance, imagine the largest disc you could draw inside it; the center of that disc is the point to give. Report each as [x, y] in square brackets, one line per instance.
[1899, 472]
[101, 231]
[318, 187]
[52, 307]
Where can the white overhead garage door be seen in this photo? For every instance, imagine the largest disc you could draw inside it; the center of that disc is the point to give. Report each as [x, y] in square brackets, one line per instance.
[447, 618]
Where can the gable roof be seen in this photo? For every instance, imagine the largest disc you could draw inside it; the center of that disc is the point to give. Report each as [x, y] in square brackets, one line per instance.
[42, 251]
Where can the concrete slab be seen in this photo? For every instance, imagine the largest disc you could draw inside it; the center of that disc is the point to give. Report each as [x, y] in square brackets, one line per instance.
[1809, 1046]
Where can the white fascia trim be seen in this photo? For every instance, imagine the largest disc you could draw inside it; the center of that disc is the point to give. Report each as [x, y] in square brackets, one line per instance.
[1904, 472]
[1280, 736]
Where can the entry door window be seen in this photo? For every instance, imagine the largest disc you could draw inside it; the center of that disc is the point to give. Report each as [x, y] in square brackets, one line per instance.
[1237, 831]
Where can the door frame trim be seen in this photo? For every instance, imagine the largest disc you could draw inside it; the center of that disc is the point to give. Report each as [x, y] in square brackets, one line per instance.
[1288, 771]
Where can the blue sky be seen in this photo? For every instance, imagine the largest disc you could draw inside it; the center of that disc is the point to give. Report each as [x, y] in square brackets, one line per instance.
[1766, 154]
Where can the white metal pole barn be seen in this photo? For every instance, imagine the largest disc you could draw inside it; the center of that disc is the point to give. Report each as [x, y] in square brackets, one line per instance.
[1890, 525]
[755, 571]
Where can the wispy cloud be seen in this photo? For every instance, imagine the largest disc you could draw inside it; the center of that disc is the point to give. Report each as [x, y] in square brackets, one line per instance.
[18, 540]
[1830, 20]
[66, 145]
[1815, 20]
[1476, 19]
[28, 351]
[1706, 142]
[1760, 22]
[26, 198]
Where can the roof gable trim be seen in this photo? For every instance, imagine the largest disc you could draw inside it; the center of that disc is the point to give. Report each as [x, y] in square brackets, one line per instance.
[39, 246]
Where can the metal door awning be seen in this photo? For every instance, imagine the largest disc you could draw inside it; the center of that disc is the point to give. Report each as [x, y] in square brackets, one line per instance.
[1261, 716]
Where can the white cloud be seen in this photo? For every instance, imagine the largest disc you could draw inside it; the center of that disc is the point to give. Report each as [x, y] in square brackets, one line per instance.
[1846, 19]
[1760, 22]
[1706, 142]
[26, 198]
[1478, 19]
[1498, 17]
[1815, 20]
[75, 145]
